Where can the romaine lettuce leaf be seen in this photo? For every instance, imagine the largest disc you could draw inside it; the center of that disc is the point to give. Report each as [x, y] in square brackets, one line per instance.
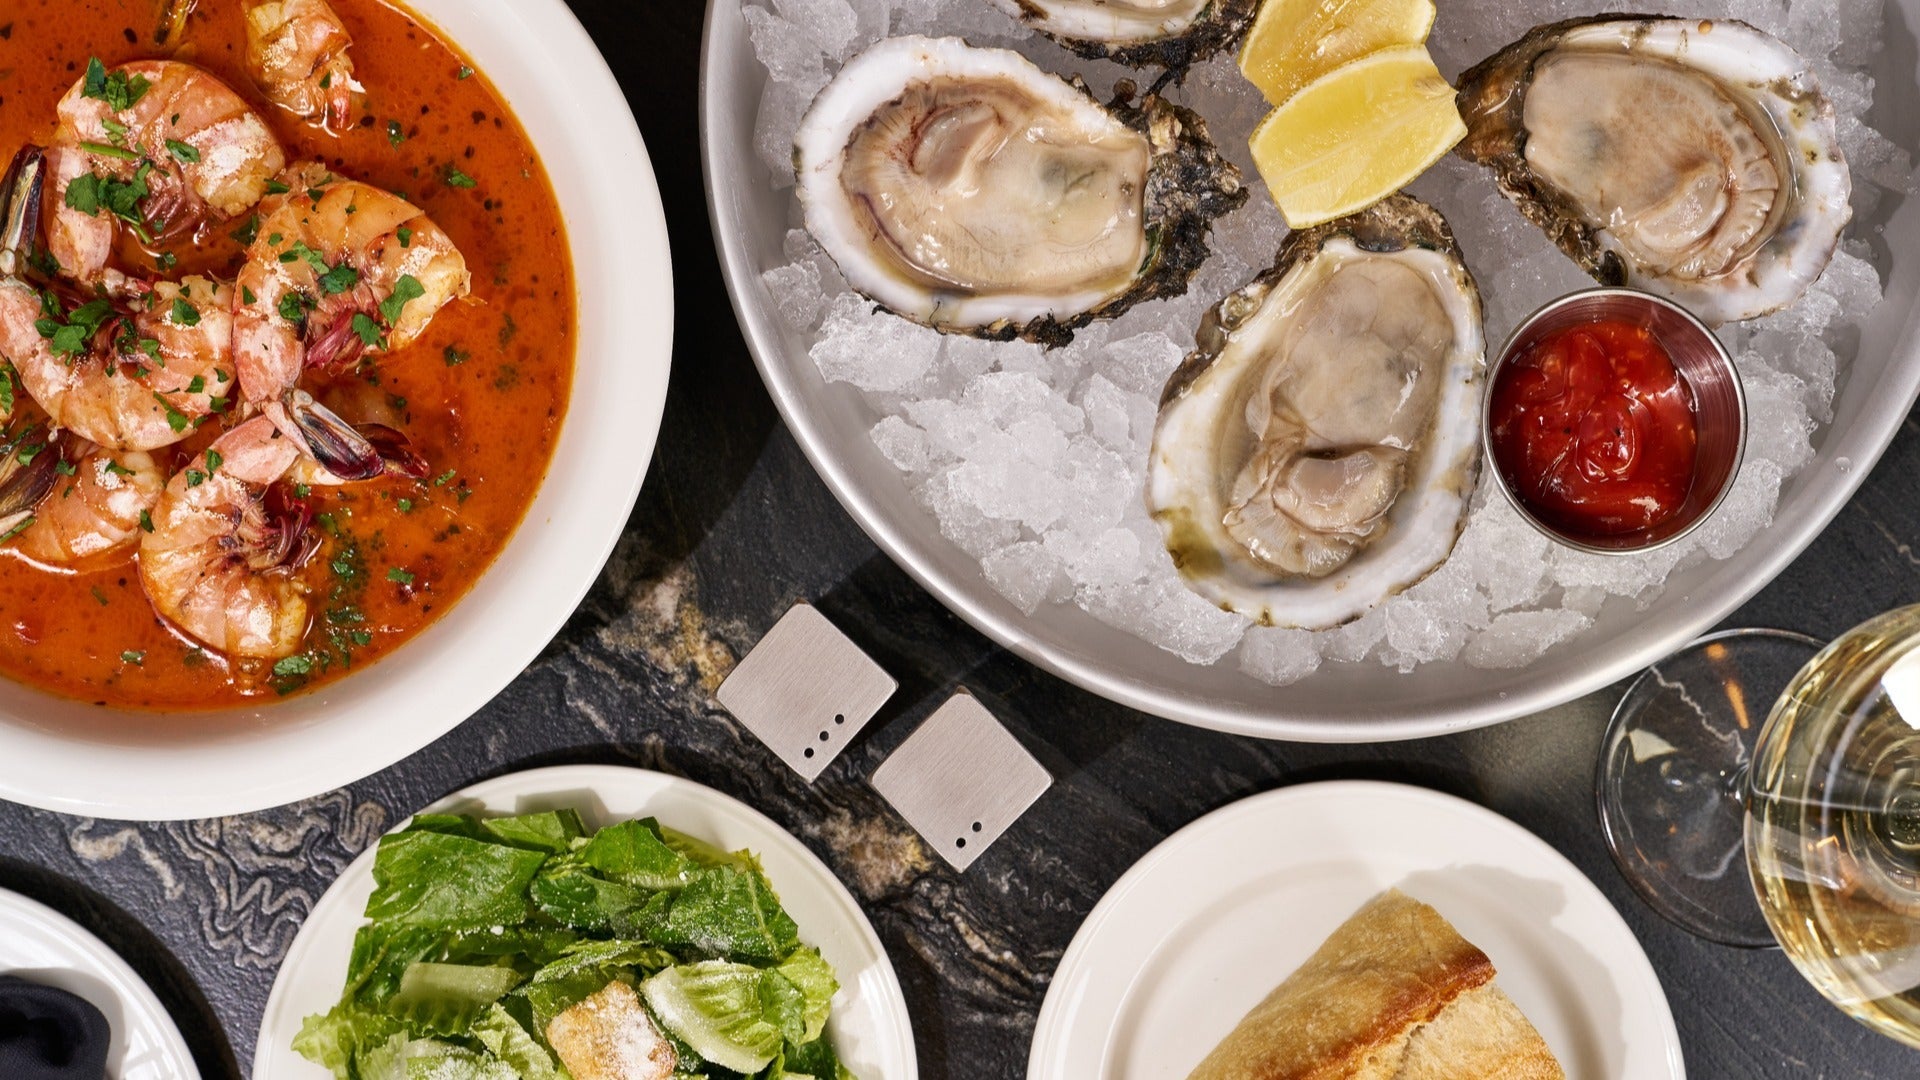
[814, 1059]
[588, 955]
[449, 882]
[380, 957]
[513, 1044]
[552, 831]
[633, 852]
[445, 999]
[812, 976]
[402, 1058]
[732, 914]
[554, 996]
[334, 1039]
[568, 892]
[717, 1008]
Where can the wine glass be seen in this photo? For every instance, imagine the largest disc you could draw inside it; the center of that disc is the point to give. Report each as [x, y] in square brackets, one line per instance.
[1800, 828]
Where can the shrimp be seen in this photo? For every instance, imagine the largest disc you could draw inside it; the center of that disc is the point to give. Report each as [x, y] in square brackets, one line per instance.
[297, 54]
[133, 374]
[221, 560]
[126, 380]
[160, 146]
[340, 269]
[96, 510]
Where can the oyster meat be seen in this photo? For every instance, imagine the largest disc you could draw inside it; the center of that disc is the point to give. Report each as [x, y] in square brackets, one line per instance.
[1316, 453]
[968, 190]
[1692, 158]
[1170, 33]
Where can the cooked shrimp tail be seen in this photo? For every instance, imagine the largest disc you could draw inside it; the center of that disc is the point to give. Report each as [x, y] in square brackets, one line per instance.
[297, 54]
[335, 444]
[29, 468]
[20, 194]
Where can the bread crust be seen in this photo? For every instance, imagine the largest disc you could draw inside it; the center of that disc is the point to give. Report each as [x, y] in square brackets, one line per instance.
[1351, 1011]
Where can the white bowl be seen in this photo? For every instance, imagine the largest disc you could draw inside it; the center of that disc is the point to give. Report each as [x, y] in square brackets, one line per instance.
[52, 752]
[1341, 702]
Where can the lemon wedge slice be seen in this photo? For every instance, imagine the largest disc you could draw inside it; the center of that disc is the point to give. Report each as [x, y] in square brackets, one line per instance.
[1356, 135]
[1294, 42]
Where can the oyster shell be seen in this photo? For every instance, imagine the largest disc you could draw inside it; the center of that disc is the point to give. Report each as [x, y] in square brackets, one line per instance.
[1170, 33]
[1692, 158]
[968, 190]
[1316, 453]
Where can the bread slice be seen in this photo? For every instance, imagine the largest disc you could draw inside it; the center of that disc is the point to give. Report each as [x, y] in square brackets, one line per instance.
[1395, 994]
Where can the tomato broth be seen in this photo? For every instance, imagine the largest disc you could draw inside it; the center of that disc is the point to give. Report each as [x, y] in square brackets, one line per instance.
[481, 394]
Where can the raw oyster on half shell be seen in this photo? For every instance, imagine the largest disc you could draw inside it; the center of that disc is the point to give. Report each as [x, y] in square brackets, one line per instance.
[1317, 451]
[968, 190]
[1170, 33]
[1692, 158]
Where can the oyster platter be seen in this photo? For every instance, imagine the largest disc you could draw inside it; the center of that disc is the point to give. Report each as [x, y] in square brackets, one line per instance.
[1187, 314]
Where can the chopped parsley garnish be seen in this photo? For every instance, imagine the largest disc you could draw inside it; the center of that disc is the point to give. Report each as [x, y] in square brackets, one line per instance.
[135, 657]
[405, 290]
[6, 387]
[25, 524]
[454, 357]
[396, 574]
[293, 665]
[294, 307]
[214, 461]
[118, 469]
[65, 468]
[406, 236]
[465, 72]
[117, 90]
[176, 419]
[444, 478]
[183, 314]
[183, 151]
[247, 233]
[405, 505]
[456, 178]
[339, 279]
[146, 521]
[197, 384]
[69, 335]
[395, 136]
[91, 194]
[275, 187]
[367, 331]
[166, 260]
[195, 478]
[246, 295]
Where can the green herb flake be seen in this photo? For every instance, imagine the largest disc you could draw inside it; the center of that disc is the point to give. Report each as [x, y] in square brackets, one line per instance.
[275, 187]
[117, 90]
[146, 521]
[454, 357]
[247, 233]
[395, 136]
[293, 666]
[136, 657]
[183, 314]
[214, 460]
[368, 331]
[465, 73]
[183, 152]
[444, 478]
[406, 236]
[396, 574]
[456, 178]
[405, 291]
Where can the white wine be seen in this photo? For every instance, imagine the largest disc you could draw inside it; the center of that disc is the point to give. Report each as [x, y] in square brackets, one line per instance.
[1833, 826]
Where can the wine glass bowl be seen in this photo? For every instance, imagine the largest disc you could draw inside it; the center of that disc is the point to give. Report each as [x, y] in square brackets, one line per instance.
[1833, 826]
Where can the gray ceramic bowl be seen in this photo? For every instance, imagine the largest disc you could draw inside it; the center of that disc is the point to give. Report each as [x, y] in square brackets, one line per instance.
[1341, 702]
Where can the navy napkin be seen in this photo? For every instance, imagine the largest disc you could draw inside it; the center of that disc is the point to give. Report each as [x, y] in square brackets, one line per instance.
[49, 1034]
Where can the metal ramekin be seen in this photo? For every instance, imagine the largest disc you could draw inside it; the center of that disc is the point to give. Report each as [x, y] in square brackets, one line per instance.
[1720, 407]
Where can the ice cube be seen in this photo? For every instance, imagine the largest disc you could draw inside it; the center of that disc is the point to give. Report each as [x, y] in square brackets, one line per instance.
[1518, 638]
[832, 25]
[1279, 657]
[906, 446]
[873, 350]
[797, 296]
[1028, 575]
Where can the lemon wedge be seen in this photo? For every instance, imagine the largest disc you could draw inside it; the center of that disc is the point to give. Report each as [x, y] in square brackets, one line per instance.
[1356, 135]
[1294, 42]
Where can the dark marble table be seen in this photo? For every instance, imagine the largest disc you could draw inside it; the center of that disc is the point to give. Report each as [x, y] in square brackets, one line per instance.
[205, 909]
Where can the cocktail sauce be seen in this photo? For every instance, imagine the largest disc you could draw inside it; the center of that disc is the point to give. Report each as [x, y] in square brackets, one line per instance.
[1593, 429]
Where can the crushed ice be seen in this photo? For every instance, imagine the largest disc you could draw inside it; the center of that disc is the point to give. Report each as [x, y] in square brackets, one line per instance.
[1033, 461]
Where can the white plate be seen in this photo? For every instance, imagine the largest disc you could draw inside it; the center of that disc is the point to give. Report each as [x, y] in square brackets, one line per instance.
[547, 68]
[1207, 923]
[41, 945]
[869, 1026]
